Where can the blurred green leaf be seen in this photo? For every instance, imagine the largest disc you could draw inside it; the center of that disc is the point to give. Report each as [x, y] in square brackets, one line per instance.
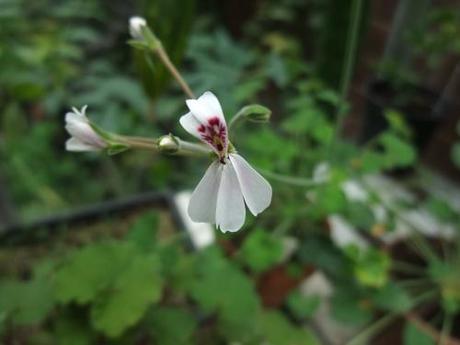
[90, 271]
[135, 288]
[172, 325]
[350, 308]
[392, 297]
[303, 306]
[144, 231]
[220, 287]
[370, 265]
[277, 330]
[26, 303]
[413, 336]
[261, 250]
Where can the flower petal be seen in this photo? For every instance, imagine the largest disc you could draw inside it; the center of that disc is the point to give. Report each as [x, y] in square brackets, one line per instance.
[207, 106]
[230, 212]
[212, 103]
[202, 206]
[256, 190]
[74, 144]
[190, 124]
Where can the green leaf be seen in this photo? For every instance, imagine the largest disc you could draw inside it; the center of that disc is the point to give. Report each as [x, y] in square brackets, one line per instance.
[26, 303]
[172, 326]
[398, 153]
[392, 298]
[397, 123]
[360, 215]
[71, 330]
[89, 271]
[350, 308]
[371, 266]
[134, 290]
[261, 250]
[277, 330]
[303, 306]
[144, 231]
[413, 336]
[221, 287]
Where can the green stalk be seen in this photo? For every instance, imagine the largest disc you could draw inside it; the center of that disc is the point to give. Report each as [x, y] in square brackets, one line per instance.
[350, 55]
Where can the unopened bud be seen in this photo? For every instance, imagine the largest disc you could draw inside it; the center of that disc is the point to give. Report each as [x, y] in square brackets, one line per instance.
[256, 113]
[168, 144]
[136, 25]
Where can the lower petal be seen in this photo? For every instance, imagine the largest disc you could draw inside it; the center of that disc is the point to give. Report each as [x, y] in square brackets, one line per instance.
[76, 145]
[202, 206]
[231, 212]
[256, 190]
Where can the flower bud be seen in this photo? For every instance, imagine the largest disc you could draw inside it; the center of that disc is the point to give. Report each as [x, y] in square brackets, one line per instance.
[136, 25]
[168, 144]
[256, 113]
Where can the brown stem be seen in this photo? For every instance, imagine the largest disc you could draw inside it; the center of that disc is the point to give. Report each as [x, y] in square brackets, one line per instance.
[429, 330]
[161, 52]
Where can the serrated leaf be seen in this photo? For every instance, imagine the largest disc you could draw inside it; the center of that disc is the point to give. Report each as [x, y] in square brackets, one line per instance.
[89, 271]
[135, 288]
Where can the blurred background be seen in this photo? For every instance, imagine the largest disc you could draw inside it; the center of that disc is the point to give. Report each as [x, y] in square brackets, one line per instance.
[360, 244]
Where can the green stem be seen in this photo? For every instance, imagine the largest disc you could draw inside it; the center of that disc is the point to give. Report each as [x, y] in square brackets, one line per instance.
[446, 329]
[235, 119]
[295, 181]
[188, 148]
[350, 54]
[368, 332]
[380, 324]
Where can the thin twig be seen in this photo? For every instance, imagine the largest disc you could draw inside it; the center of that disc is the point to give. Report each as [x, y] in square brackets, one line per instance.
[164, 57]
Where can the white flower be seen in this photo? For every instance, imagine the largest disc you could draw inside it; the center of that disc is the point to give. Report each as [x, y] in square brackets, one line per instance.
[135, 27]
[84, 138]
[230, 181]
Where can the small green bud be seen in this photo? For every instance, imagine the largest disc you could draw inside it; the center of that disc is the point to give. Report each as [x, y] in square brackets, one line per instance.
[256, 113]
[168, 144]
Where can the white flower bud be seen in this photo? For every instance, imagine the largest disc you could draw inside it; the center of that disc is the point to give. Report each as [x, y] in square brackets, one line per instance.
[136, 24]
[168, 144]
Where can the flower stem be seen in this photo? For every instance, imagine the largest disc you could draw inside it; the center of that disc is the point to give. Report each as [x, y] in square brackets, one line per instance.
[164, 57]
[292, 180]
[138, 142]
[188, 148]
[350, 54]
[184, 148]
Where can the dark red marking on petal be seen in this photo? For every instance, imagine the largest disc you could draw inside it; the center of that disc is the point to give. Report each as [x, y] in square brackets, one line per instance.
[215, 134]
